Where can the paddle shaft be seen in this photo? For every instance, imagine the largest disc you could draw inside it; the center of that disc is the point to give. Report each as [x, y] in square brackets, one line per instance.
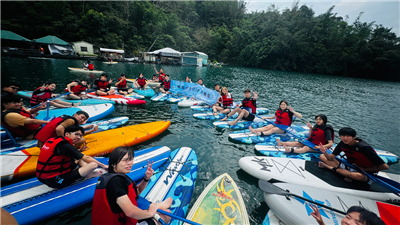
[272, 189]
[52, 99]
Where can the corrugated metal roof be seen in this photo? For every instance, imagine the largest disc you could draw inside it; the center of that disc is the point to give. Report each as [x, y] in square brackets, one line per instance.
[51, 40]
[5, 34]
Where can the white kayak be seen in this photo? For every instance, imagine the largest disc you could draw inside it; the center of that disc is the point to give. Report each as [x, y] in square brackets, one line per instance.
[110, 63]
[295, 209]
[307, 173]
[191, 102]
[85, 71]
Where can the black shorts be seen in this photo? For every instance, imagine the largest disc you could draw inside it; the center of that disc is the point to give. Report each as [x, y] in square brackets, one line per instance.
[250, 117]
[148, 221]
[62, 180]
[122, 89]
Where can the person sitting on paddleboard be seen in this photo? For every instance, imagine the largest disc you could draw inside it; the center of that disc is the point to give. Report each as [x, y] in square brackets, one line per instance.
[284, 116]
[116, 194]
[155, 79]
[320, 133]
[58, 160]
[102, 86]
[45, 92]
[165, 85]
[227, 101]
[140, 82]
[56, 127]
[161, 75]
[246, 110]
[18, 121]
[88, 65]
[357, 152]
[9, 88]
[75, 88]
[200, 82]
[355, 215]
[122, 87]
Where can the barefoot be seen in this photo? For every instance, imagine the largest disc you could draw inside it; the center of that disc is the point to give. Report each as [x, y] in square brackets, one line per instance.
[167, 203]
[232, 123]
[215, 113]
[348, 179]
[324, 165]
[279, 142]
[95, 173]
[77, 104]
[224, 119]
[287, 149]
[252, 130]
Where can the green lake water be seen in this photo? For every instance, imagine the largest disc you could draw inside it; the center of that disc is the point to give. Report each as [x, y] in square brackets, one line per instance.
[369, 106]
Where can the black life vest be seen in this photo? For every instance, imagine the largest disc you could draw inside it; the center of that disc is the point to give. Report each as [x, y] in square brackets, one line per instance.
[141, 81]
[41, 97]
[101, 211]
[122, 84]
[227, 100]
[318, 134]
[49, 130]
[50, 165]
[20, 131]
[283, 117]
[247, 104]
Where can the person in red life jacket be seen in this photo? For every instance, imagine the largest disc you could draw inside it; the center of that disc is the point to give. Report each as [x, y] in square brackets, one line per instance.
[355, 215]
[102, 86]
[18, 121]
[226, 100]
[75, 88]
[357, 152]
[140, 82]
[321, 133]
[155, 79]
[246, 110]
[165, 85]
[284, 116]
[116, 194]
[45, 92]
[58, 160]
[122, 87]
[161, 75]
[9, 88]
[57, 126]
[88, 65]
[200, 82]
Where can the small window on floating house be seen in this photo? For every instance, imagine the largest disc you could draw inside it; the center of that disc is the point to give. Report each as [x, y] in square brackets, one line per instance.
[83, 49]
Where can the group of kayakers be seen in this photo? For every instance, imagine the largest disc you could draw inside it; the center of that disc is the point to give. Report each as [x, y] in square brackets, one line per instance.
[61, 161]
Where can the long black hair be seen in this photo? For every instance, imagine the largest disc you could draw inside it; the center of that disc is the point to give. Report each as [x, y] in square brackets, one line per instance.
[116, 156]
[323, 118]
[366, 216]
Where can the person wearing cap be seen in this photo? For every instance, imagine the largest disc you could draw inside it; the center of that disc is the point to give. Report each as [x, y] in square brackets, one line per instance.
[320, 133]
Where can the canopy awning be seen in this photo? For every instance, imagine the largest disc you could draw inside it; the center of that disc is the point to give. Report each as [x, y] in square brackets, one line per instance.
[5, 34]
[166, 52]
[51, 40]
[112, 50]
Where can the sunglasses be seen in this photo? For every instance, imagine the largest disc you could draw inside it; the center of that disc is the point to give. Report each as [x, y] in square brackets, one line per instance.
[15, 88]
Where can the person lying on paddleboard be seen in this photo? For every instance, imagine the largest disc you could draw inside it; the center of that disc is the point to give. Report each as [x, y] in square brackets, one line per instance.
[227, 101]
[140, 82]
[102, 86]
[161, 75]
[165, 85]
[58, 160]
[18, 121]
[88, 65]
[284, 116]
[122, 87]
[355, 215]
[246, 109]
[45, 92]
[116, 194]
[9, 88]
[56, 127]
[357, 152]
[320, 133]
[75, 88]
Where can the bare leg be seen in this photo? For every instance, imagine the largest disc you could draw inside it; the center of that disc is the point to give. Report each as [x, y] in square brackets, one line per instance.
[236, 110]
[72, 96]
[266, 128]
[274, 130]
[242, 113]
[87, 169]
[123, 92]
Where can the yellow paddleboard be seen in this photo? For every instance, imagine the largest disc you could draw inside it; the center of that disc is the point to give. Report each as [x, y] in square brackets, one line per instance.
[22, 164]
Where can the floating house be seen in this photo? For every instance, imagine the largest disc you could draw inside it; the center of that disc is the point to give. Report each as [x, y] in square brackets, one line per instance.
[83, 48]
[55, 45]
[114, 54]
[14, 44]
[164, 56]
[194, 58]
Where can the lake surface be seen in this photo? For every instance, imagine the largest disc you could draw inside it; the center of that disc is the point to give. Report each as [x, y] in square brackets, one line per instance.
[369, 106]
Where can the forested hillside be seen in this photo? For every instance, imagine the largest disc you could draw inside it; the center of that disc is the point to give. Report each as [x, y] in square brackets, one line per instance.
[293, 40]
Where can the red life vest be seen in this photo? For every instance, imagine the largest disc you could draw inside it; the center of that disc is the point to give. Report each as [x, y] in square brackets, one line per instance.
[49, 130]
[161, 77]
[122, 84]
[50, 165]
[283, 117]
[41, 97]
[248, 103]
[356, 157]
[90, 66]
[101, 211]
[318, 134]
[141, 81]
[78, 89]
[227, 100]
[102, 84]
[20, 131]
[167, 85]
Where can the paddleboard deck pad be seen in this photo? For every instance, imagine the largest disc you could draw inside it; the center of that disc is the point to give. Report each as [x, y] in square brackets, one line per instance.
[119, 99]
[246, 137]
[160, 97]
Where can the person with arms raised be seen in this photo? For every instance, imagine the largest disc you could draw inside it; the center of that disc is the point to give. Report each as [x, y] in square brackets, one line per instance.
[161, 75]
[58, 160]
[116, 194]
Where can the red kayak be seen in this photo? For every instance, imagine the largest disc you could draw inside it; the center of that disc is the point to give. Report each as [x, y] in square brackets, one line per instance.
[118, 99]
